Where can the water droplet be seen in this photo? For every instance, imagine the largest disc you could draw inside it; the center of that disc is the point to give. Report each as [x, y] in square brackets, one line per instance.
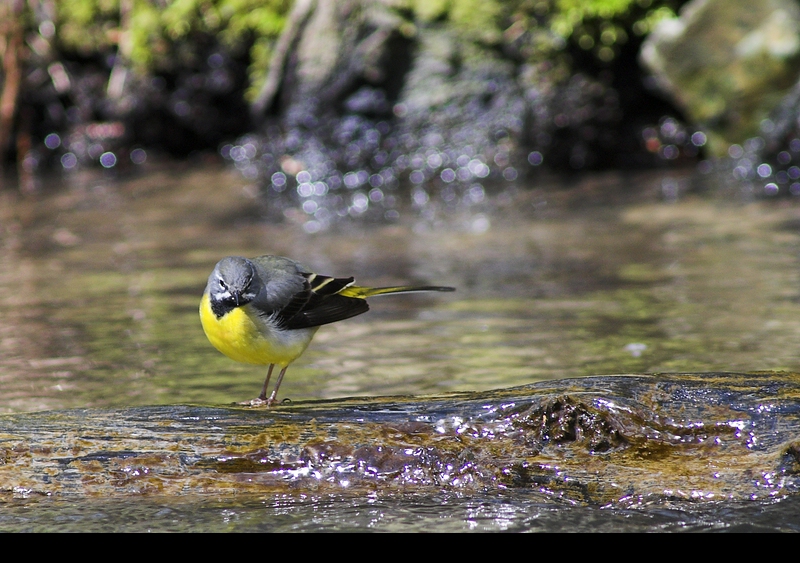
[476, 193]
[764, 170]
[52, 141]
[420, 197]
[306, 189]
[636, 348]
[535, 158]
[480, 223]
[375, 195]
[138, 156]
[351, 180]
[735, 151]
[669, 152]
[416, 177]
[463, 174]
[249, 150]
[108, 159]
[278, 181]
[312, 227]
[699, 139]
[376, 180]
[95, 150]
[69, 160]
[360, 202]
[310, 206]
[237, 153]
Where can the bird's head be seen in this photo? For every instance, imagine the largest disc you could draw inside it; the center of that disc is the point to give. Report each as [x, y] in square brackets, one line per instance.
[234, 282]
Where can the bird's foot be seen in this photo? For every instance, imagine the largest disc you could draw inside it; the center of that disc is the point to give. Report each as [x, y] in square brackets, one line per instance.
[257, 402]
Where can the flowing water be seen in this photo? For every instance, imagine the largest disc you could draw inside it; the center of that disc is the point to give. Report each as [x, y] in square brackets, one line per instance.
[603, 274]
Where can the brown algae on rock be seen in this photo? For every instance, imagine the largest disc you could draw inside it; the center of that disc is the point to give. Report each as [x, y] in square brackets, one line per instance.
[607, 440]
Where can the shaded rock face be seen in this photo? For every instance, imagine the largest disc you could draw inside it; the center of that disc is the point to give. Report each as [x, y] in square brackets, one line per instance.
[354, 105]
[430, 96]
[359, 96]
[70, 105]
[359, 101]
[727, 63]
[344, 57]
[457, 98]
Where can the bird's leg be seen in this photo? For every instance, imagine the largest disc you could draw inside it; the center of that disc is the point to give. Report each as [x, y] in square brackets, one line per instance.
[274, 395]
[263, 395]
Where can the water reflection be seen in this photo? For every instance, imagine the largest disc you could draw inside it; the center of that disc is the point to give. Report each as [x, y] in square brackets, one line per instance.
[496, 511]
[101, 281]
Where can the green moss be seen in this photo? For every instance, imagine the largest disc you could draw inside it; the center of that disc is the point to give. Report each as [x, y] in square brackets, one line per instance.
[147, 33]
[538, 29]
[430, 10]
[478, 19]
[600, 26]
[570, 15]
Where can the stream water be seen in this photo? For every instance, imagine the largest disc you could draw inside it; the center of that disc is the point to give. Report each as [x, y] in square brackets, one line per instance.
[602, 274]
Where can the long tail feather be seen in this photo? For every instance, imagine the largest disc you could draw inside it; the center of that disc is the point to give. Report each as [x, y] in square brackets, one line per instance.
[364, 292]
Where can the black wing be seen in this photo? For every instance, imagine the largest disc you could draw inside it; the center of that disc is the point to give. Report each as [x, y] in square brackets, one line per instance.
[319, 303]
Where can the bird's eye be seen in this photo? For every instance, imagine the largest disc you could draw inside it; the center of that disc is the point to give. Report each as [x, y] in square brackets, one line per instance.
[222, 284]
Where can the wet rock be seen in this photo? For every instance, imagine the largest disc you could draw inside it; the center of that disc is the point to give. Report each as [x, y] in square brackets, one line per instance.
[727, 63]
[618, 440]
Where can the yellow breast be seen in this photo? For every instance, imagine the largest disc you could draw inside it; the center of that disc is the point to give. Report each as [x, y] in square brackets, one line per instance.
[239, 337]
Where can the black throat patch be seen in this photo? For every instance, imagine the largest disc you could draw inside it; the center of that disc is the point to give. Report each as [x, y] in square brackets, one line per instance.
[221, 307]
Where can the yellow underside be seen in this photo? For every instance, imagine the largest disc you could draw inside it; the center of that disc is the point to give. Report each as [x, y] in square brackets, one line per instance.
[237, 336]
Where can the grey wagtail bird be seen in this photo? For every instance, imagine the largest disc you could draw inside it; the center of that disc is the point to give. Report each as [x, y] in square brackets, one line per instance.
[266, 310]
